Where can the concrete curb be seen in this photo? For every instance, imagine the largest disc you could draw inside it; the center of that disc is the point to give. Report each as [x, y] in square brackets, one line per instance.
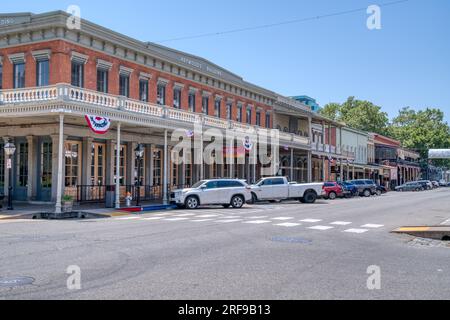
[431, 232]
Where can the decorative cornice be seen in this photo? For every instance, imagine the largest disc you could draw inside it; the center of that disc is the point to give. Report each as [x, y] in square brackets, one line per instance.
[206, 93]
[17, 58]
[163, 81]
[79, 57]
[145, 76]
[178, 85]
[124, 71]
[193, 90]
[41, 54]
[104, 65]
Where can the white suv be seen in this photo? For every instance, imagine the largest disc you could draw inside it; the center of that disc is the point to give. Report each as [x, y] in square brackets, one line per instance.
[225, 192]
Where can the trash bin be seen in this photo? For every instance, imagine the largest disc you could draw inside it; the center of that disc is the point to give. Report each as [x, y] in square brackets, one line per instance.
[110, 196]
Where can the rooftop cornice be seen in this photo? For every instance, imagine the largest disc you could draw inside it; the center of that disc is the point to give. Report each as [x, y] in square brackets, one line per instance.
[58, 19]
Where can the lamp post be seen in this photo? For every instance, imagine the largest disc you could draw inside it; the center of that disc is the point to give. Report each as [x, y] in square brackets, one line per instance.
[139, 152]
[10, 149]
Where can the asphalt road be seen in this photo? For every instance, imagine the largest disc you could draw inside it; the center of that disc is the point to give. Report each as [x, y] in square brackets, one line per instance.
[276, 251]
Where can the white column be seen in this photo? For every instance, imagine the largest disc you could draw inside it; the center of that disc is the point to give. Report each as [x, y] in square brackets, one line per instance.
[291, 173]
[59, 185]
[5, 189]
[309, 168]
[118, 166]
[166, 163]
[32, 171]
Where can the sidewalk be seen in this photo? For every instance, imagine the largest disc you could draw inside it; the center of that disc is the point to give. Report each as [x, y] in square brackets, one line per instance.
[28, 211]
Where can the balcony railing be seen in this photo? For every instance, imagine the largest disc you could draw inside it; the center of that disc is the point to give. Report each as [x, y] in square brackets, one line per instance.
[66, 92]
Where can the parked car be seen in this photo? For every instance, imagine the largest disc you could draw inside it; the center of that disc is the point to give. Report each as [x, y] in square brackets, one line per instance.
[351, 188]
[427, 184]
[225, 192]
[443, 183]
[410, 186]
[366, 188]
[333, 190]
[435, 184]
[279, 188]
[381, 190]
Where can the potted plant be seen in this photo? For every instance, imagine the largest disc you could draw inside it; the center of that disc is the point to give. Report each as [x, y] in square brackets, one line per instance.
[67, 203]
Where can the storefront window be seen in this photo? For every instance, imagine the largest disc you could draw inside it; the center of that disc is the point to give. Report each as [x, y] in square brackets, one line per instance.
[22, 165]
[122, 161]
[73, 163]
[46, 165]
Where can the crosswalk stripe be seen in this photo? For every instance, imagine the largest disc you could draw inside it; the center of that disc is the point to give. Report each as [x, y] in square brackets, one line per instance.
[283, 218]
[372, 226]
[356, 230]
[202, 220]
[288, 224]
[229, 220]
[321, 228]
[341, 223]
[128, 218]
[208, 216]
[176, 219]
[153, 218]
[311, 220]
[257, 222]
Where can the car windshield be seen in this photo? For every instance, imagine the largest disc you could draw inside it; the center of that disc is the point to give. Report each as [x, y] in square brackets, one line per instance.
[198, 184]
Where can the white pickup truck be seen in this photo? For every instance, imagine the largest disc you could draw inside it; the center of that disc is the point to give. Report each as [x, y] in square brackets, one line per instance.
[279, 188]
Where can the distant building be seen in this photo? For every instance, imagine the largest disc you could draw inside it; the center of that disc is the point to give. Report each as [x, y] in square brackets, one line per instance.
[310, 102]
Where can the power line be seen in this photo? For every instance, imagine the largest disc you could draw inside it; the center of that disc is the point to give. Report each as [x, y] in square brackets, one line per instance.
[265, 26]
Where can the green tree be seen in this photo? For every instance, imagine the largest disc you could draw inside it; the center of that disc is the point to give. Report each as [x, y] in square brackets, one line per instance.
[358, 114]
[421, 130]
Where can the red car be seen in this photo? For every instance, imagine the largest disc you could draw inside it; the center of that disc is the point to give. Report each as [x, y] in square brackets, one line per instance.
[332, 190]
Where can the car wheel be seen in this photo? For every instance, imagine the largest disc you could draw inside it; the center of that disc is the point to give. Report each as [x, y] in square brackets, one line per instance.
[237, 202]
[379, 192]
[309, 197]
[332, 195]
[302, 200]
[192, 202]
[367, 193]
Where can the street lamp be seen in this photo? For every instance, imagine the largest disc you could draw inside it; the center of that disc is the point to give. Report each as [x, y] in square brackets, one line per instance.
[10, 149]
[139, 152]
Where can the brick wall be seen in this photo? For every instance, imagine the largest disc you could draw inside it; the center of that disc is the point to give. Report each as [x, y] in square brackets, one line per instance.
[60, 72]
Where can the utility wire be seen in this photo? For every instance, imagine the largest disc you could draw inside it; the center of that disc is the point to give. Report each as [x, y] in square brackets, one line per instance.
[265, 26]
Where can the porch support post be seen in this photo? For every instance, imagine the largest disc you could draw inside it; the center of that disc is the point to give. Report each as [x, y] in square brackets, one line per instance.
[131, 157]
[5, 188]
[86, 166]
[309, 167]
[291, 173]
[118, 166]
[166, 163]
[59, 185]
[323, 169]
[32, 172]
[230, 158]
[149, 164]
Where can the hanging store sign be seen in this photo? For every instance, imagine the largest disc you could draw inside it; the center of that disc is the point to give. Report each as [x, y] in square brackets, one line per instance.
[99, 125]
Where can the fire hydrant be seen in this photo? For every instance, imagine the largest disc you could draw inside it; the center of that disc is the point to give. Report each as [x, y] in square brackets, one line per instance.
[128, 199]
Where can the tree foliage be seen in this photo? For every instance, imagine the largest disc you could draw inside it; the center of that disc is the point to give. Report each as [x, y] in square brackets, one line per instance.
[358, 114]
[421, 130]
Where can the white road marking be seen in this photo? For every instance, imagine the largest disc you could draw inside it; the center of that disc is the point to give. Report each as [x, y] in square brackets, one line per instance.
[372, 226]
[283, 218]
[356, 230]
[257, 217]
[311, 220]
[288, 224]
[229, 220]
[202, 220]
[258, 222]
[153, 218]
[341, 223]
[231, 217]
[176, 219]
[184, 215]
[128, 218]
[208, 216]
[321, 228]
[446, 222]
